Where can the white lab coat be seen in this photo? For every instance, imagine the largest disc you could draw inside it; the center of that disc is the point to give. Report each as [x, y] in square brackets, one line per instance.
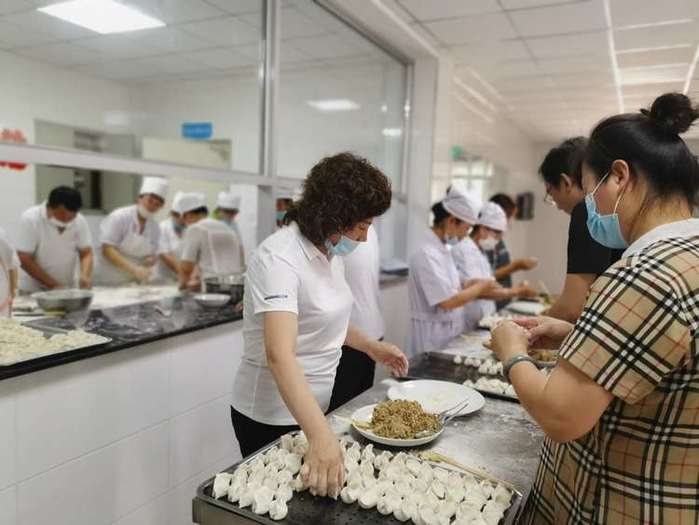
[472, 263]
[55, 251]
[8, 261]
[170, 243]
[433, 278]
[121, 229]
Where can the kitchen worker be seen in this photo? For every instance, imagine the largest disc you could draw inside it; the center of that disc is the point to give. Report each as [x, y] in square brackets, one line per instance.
[208, 244]
[619, 410]
[437, 294]
[170, 245]
[296, 316]
[355, 374]
[227, 209]
[54, 244]
[472, 263]
[9, 263]
[285, 199]
[130, 237]
[587, 259]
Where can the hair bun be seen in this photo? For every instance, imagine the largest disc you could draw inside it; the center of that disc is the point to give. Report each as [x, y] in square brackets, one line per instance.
[672, 112]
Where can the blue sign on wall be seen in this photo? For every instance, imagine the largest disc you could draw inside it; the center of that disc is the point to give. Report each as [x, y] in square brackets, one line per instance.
[197, 130]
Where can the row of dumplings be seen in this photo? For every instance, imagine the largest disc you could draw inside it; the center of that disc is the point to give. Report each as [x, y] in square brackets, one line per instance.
[485, 365]
[493, 385]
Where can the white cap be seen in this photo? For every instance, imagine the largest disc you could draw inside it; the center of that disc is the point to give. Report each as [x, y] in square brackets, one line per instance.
[461, 205]
[192, 201]
[493, 216]
[155, 185]
[228, 201]
[284, 193]
[177, 202]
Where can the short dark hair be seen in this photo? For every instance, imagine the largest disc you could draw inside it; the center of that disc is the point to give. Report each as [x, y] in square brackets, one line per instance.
[441, 214]
[649, 141]
[564, 158]
[339, 192]
[67, 197]
[198, 211]
[505, 202]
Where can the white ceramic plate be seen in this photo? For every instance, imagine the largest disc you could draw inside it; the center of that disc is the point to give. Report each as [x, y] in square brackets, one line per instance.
[526, 307]
[437, 396]
[365, 413]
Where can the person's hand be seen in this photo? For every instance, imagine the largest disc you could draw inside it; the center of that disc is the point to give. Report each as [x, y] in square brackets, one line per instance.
[526, 263]
[142, 273]
[546, 332]
[150, 260]
[391, 356]
[508, 339]
[524, 291]
[323, 470]
[85, 282]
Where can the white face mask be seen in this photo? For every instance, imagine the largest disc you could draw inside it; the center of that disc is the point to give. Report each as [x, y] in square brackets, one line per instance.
[144, 212]
[59, 224]
[488, 243]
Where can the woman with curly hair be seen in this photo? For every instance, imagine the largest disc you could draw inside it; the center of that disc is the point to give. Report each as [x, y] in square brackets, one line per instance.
[296, 316]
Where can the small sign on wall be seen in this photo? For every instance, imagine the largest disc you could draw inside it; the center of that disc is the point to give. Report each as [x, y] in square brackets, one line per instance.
[197, 130]
[12, 135]
[525, 206]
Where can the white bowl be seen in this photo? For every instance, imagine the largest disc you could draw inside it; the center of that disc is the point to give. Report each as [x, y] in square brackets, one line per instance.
[212, 300]
[365, 414]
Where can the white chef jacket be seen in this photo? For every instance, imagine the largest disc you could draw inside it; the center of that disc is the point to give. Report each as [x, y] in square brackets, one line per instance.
[287, 273]
[170, 242]
[362, 275]
[213, 246]
[121, 229]
[433, 278]
[473, 264]
[56, 252]
[8, 261]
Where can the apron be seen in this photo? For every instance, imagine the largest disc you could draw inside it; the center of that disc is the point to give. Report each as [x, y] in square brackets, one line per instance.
[57, 255]
[135, 248]
[5, 297]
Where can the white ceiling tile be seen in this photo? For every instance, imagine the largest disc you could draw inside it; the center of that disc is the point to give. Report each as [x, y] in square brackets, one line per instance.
[170, 39]
[123, 69]
[38, 21]
[12, 36]
[172, 64]
[489, 52]
[524, 4]
[560, 19]
[592, 63]
[325, 47]
[176, 11]
[569, 45]
[655, 57]
[423, 10]
[633, 12]
[481, 28]
[656, 36]
[65, 54]
[236, 7]
[294, 23]
[651, 75]
[14, 6]
[519, 68]
[220, 58]
[116, 47]
[223, 31]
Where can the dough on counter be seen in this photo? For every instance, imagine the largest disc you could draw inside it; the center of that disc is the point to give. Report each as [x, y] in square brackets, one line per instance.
[278, 510]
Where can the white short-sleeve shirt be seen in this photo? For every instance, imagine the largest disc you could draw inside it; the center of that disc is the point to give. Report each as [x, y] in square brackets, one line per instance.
[122, 221]
[8, 256]
[287, 273]
[170, 243]
[362, 275]
[473, 264]
[54, 250]
[214, 246]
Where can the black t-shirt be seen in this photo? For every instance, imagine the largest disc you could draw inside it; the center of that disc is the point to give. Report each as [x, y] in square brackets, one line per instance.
[585, 255]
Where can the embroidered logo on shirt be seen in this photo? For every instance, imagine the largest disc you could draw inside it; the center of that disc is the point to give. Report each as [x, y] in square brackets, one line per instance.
[278, 296]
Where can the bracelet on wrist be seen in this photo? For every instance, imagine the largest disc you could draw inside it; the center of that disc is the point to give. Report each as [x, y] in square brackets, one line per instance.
[519, 358]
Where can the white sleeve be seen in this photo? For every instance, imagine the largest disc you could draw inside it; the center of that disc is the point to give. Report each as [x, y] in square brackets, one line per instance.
[272, 284]
[465, 263]
[84, 236]
[27, 236]
[165, 244]
[191, 244]
[113, 230]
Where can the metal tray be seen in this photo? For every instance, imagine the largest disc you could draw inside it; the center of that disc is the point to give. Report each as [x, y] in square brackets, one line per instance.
[305, 509]
[441, 366]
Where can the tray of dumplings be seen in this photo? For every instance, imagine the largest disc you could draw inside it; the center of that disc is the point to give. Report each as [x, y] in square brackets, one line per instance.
[380, 487]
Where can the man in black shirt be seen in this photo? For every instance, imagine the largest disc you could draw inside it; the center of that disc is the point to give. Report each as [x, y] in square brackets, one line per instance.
[587, 259]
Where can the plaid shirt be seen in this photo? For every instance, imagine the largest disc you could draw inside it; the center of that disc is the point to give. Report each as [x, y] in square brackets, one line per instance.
[636, 338]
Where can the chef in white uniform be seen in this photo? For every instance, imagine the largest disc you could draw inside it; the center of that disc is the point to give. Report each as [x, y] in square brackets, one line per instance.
[227, 209]
[9, 263]
[355, 374]
[437, 294]
[53, 238]
[472, 263]
[170, 246]
[208, 244]
[130, 236]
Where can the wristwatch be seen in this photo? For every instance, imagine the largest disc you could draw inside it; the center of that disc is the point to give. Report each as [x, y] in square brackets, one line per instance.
[513, 361]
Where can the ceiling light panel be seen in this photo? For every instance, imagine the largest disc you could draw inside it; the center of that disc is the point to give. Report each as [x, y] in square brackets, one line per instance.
[333, 104]
[656, 57]
[656, 36]
[101, 16]
[559, 19]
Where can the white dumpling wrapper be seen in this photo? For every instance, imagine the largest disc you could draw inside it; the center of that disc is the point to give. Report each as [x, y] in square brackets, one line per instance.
[403, 488]
[366, 467]
[222, 482]
[368, 453]
[271, 483]
[238, 486]
[467, 513]
[438, 489]
[284, 493]
[382, 461]
[421, 485]
[384, 486]
[502, 495]
[441, 474]
[414, 466]
[298, 485]
[447, 509]
[405, 511]
[278, 510]
[292, 463]
[493, 512]
[287, 442]
[369, 498]
[246, 497]
[388, 503]
[261, 500]
[350, 495]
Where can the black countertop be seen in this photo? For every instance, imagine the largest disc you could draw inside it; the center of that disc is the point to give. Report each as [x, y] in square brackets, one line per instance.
[127, 326]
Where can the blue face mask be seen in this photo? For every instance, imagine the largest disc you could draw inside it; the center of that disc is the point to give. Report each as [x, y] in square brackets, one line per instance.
[342, 248]
[605, 229]
[179, 228]
[228, 222]
[451, 240]
[280, 216]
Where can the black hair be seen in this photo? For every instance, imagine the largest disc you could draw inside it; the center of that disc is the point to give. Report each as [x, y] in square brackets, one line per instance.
[200, 210]
[505, 202]
[649, 141]
[67, 197]
[564, 158]
[441, 214]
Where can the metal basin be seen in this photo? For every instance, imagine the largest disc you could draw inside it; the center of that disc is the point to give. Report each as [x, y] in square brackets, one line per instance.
[231, 285]
[64, 300]
[212, 300]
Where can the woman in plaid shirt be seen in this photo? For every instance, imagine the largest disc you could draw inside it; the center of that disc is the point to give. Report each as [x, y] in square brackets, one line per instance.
[621, 409]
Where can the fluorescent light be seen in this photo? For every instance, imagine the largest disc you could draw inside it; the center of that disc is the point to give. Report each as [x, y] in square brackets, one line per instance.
[102, 16]
[333, 104]
[647, 49]
[690, 73]
[655, 24]
[611, 48]
[392, 132]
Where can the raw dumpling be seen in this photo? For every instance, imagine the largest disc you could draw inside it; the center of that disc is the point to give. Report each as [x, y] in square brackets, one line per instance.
[354, 481]
[432, 500]
[237, 487]
[388, 503]
[278, 510]
[467, 513]
[246, 497]
[414, 466]
[369, 498]
[438, 489]
[457, 359]
[368, 453]
[292, 463]
[257, 464]
[421, 485]
[350, 495]
[455, 480]
[426, 473]
[298, 485]
[446, 509]
[270, 455]
[469, 482]
[284, 477]
[407, 510]
[441, 474]
[366, 467]
[271, 483]
[284, 493]
[392, 472]
[427, 515]
[287, 442]
[261, 500]
[493, 512]
[382, 460]
[221, 483]
[502, 495]
[456, 494]
[403, 488]
[488, 488]
[475, 498]
[384, 486]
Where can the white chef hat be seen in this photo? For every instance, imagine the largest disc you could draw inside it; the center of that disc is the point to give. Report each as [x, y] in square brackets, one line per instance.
[493, 216]
[154, 185]
[461, 205]
[192, 201]
[284, 193]
[177, 202]
[227, 201]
